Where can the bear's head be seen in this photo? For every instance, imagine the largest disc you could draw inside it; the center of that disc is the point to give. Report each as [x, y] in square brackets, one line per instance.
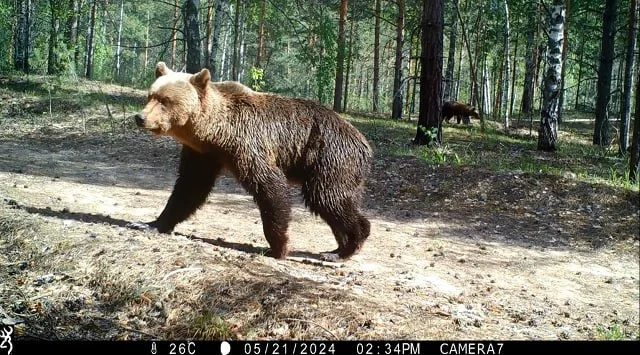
[174, 100]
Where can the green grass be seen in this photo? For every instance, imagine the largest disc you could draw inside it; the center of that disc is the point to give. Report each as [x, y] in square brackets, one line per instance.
[209, 326]
[612, 332]
[497, 151]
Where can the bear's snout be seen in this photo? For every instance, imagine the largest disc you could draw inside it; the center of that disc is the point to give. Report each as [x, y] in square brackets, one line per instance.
[139, 120]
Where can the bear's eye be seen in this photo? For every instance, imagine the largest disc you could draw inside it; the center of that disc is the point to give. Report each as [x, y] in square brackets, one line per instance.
[163, 100]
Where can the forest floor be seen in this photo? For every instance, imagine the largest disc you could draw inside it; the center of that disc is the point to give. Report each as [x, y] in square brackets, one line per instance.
[457, 251]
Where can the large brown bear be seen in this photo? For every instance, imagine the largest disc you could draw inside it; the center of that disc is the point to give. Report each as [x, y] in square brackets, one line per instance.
[460, 111]
[265, 141]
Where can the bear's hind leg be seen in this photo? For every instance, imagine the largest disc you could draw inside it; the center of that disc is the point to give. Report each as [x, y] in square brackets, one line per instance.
[349, 227]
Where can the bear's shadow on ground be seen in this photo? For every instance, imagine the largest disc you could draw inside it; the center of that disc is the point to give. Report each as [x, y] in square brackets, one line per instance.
[96, 218]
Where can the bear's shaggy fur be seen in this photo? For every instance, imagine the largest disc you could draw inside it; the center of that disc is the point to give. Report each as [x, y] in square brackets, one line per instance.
[265, 141]
[459, 110]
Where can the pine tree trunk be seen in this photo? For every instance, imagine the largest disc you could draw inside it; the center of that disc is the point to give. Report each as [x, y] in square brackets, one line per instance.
[499, 79]
[217, 24]
[548, 130]
[241, 56]
[376, 60]
[576, 105]
[224, 59]
[349, 56]
[71, 31]
[473, 63]
[478, 45]
[261, 34]
[207, 38]
[448, 77]
[530, 59]
[192, 36]
[625, 115]
[53, 61]
[88, 68]
[634, 161]
[396, 112]
[235, 65]
[21, 43]
[429, 128]
[513, 75]
[337, 92]
[601, 132]
[507, 67]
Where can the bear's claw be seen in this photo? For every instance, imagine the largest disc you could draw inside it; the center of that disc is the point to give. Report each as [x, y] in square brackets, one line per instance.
[330, 256]
[142, 226]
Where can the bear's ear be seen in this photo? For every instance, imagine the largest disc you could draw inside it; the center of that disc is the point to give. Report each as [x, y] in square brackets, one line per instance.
[201, 79]
[162, 69]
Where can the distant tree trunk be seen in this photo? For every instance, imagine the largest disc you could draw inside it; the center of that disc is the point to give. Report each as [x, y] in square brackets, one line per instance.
[579, 81]
[530, 59]
[174, 33]
[192, 36]
[235, 65]
[479, 27]
[71, 31]
[601, 132]
[497, 74]
[261, 34]
[54, 65]
[431, 74]
[22, 37]
[625, 115]
[540, 55]
[337, 92]
[224, 59]
[349, 56]
[146, 42]
[567, 6]
[456, 90]
[634, 161]
[473, 63]
[241, 56]
[118, 48]
[513, 75]
[448, 77]
[397, 72]
[217, 24]
[88, 67]
[507, 67]
[207, 38]
[485, 104]
[376, 59]
[548, 131]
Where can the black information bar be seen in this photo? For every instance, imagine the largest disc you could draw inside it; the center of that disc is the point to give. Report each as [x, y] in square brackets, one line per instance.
[243, 347]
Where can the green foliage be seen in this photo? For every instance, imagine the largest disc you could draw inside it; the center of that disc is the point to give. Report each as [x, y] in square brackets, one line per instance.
[5, 35]
[432, 132]
[257, 78]
[494, 150]
[322, 56]
[612, 332]
[440, 155]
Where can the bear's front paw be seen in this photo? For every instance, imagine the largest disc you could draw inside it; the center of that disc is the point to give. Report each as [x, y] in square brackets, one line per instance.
[330, 256]
[152, 226]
